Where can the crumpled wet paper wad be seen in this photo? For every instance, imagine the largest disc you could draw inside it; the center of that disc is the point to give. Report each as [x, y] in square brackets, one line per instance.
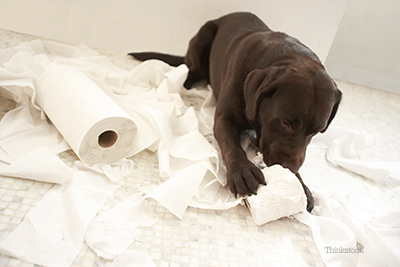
[281, 197]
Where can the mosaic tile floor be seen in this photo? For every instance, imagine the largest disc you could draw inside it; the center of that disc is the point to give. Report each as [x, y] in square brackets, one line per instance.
[229, 237]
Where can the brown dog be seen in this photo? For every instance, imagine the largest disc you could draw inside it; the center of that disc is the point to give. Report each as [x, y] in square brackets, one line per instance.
[263, 80]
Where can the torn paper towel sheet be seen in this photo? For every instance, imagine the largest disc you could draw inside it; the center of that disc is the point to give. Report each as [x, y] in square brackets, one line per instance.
[180, 142]
[22, 130]
[381, 240]
[344, 151]
[25, 138]
[111, 233]
[45, 167]
[330, 233]
[186, 183]
[344, 147]
[363, 243]
[281, 197]
[56, 226]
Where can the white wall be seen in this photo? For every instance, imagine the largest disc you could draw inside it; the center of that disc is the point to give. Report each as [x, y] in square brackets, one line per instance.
[161, 25]
[366, 49]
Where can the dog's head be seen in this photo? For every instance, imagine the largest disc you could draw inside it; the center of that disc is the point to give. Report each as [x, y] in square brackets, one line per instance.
[288, 106]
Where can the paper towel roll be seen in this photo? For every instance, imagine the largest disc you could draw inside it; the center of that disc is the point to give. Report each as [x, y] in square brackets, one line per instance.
[95, 127]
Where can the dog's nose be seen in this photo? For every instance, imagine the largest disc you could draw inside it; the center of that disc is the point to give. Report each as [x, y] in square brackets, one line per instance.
[291, 166]
[293, 163]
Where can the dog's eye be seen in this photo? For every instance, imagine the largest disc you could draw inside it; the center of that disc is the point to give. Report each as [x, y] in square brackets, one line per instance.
[286, 124]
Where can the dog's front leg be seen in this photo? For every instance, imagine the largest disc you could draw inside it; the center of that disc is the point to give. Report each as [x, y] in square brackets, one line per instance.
[242, 175]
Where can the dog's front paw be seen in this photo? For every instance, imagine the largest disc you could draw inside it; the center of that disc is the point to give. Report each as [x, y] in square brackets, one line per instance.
[244, 178]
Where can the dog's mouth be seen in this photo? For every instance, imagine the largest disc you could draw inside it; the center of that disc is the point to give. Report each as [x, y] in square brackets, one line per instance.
[284, 161]
[273, 154]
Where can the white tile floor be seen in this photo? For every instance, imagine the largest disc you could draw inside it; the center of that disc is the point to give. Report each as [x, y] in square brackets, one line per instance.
[230, 238]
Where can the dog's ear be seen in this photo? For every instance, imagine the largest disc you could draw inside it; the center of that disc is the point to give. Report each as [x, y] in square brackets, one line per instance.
[338, 98]
[261, 83]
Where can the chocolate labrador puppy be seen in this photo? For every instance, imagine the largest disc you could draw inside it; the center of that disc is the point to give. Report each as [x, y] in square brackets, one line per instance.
[263, 80]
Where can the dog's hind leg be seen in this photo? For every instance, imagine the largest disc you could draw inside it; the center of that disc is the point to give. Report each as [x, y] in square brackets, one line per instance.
[198, 55]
